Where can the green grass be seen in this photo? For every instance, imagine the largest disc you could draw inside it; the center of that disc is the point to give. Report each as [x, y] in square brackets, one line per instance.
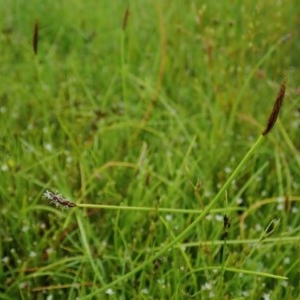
[154, 131]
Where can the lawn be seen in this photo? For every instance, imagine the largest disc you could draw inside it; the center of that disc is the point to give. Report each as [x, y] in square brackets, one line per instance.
[138, 159]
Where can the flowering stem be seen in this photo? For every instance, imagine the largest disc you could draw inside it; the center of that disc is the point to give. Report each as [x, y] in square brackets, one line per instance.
[158, 209]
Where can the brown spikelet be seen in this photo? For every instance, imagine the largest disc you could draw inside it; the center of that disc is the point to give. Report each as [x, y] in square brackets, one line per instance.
[125, 19]
[287, 203]
[276, 108]
[35, 38]
[58, 200]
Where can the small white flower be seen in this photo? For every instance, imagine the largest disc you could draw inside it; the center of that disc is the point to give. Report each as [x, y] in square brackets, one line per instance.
[207, 193]
[209, 217]
[32, 254]
[280, 199]
[258, 179]
[211, 294]
[245, 293]
[109, 292]
[69, 159]
[266, 296]
[207, 286]
[284, 283]
[3, 109]
[280, 206]
[263, 193]
[49, 250]
[239, 201]
[5, 260]
[169, 217]
[25, 228]
[287, 261]
[75, 285]
[4, 168]
[22, 285]
[219, 217]
[258, 227]
[227, 170]
[48, 147]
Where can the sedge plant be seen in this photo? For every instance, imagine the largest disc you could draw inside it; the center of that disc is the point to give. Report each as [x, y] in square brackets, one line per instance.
[176, 240]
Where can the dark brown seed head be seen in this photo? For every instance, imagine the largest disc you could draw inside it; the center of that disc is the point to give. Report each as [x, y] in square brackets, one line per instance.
[287, 203]
[226, 221]
[276, 108]
[125, 19]
[35, 38]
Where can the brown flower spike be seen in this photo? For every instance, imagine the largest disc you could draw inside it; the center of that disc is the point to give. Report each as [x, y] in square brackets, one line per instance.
[125, 19]
[35, 37]
[276, 108]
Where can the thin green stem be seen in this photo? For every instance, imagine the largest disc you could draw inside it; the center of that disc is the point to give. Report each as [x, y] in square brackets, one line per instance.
[243, 271]
[123, 66]
[277, 240]
[158, 209]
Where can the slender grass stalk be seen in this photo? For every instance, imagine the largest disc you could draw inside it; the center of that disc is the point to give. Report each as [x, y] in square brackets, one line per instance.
[123, 62]
[157, 209]
[269, 240]
[242, 271]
